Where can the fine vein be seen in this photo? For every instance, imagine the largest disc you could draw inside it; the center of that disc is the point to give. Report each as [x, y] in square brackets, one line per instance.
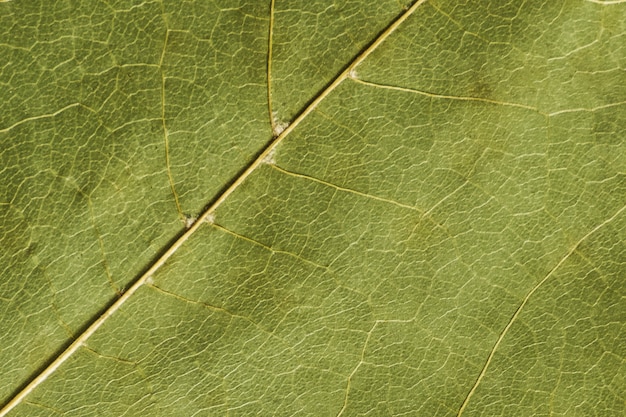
[607, 2]
[269, 69]
[444, 96]
[346, 190]
[525, 301]
[43, 116]
[168, 168]
[105, 263]
[356, 368]
[207, 215]
[268, 248]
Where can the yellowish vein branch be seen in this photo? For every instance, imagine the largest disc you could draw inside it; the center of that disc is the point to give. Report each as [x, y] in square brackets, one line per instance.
[347, 190]
[67, 353]
[523, 304]
[44, 116]
[354, 371]
[170, 177]
[444, 96]
[268, 248]
[607, 2]
[169, 174]
[587, 109]
[105, 264]
[269, 68]
[225, 311]
[209, 307]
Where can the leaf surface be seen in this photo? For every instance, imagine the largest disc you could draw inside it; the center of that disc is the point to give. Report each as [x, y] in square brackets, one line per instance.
[324, 209]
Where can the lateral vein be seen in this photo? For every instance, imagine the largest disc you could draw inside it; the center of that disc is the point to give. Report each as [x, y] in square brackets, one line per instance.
[43, 116]
[347, 190]
[269, 68]
[444, 96]
[525, 301]
[166, 138]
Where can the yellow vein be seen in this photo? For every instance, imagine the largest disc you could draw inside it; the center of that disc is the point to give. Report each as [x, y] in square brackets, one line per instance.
[65, 355]
[170, 177]
[269, 68]
[268, 248]
[347, 190]
[356, 368]
[607, 2]
[525, 301]
[587, 109]
[105, 264]
[444, 96]
[31, 403]
[54, 292]
[222, 310]
[200, 303]
[43, 116]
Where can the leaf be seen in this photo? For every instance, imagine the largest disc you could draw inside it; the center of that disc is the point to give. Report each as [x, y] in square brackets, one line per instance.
[329, 209]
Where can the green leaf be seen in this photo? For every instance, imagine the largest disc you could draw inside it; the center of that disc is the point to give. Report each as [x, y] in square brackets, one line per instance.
[312, 208]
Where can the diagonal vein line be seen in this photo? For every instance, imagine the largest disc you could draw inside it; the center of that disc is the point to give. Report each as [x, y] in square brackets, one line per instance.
[268, 248]
[607, 2]
[444, 96]
[43, 116]
[168, 165]
[80, 340]
[347, 190]
[588, 109]
[525, 301]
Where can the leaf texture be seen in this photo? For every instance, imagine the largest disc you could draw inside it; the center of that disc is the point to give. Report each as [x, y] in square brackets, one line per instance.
[320, 208]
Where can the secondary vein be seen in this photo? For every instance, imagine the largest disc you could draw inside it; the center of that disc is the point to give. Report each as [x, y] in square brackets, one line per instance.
[168, 168]
[269, 68]
[525, 301]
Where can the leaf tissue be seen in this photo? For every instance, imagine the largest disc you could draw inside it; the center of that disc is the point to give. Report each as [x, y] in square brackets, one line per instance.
[312, 208]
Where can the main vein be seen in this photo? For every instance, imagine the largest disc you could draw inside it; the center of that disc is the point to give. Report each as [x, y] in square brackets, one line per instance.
[50, 369]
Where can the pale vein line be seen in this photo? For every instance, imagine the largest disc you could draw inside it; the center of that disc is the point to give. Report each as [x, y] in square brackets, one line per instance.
[206, 215]
[43, 116]
[202, 304]
[347, 190]
[444, 96]
[521, 306]
[105, 264]
[356, 368]
[484, 100]
[223, 310]
[362, 359]
[267, 248]
[607, 2]
[446, 197]
[269, 68]
[587, 109]
[37, 405]
[170, 177]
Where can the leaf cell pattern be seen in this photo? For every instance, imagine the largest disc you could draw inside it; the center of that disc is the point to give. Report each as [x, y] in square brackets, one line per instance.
[331, 209]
